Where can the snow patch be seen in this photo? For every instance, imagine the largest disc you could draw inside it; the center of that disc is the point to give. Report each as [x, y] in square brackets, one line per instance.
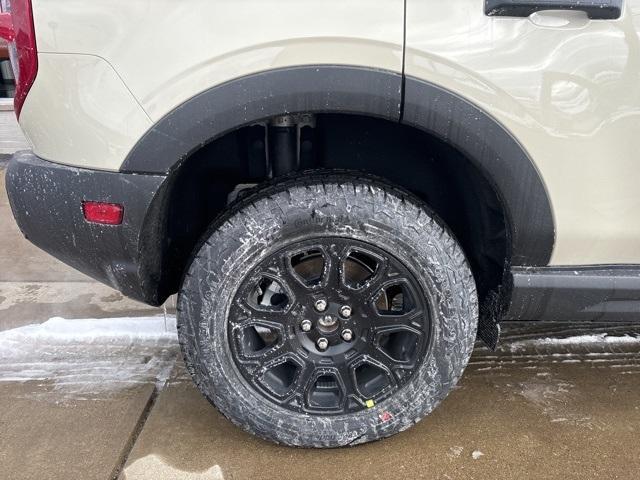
[477, 454]
[456, 451]
[596, 339]
[92, 330]
[90, 357]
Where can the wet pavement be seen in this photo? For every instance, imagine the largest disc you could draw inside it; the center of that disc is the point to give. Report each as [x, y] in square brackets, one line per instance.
[46, 437]
[555, 401]
[532, 409]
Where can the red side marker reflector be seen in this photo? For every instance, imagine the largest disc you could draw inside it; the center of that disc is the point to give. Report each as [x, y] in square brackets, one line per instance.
[102, 212]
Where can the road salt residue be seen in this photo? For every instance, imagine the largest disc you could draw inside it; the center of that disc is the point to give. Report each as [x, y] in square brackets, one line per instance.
[88, 357]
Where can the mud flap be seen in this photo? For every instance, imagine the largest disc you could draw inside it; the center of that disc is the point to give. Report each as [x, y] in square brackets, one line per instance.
[489, 331]
[488, 323]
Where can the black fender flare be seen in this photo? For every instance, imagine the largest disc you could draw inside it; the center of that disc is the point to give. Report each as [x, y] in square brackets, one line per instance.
[370, 92]
[498, 155]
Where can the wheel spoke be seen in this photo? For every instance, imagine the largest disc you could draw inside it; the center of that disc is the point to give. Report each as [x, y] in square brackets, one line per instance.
[276, 353]
[279, 268]
[373, 375]
[251, 313]
[268, 293]
[304, 383]
[380, 358]
[332, 271]
[279, 376]
[282, 350]
[413, 320]
[258, 341]
[346, 375]
[374, 285]
[293, 283]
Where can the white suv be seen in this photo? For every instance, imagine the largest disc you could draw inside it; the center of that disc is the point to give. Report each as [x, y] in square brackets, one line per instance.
[343, 193]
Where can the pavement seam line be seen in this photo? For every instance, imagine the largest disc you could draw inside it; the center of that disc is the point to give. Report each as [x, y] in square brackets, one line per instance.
[124, 456]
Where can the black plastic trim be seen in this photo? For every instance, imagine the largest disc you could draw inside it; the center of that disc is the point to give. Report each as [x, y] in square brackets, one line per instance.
[595, 9]
[240, 102]
[498, 155]
[46, 199]
[574, 294]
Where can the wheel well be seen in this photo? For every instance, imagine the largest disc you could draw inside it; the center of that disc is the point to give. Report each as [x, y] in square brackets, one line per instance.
[200, 188]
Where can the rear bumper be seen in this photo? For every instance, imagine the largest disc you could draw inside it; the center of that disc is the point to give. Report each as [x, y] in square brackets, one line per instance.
[46, 200]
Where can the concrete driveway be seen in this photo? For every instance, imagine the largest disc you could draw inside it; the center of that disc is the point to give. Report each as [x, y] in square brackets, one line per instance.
[551, 403]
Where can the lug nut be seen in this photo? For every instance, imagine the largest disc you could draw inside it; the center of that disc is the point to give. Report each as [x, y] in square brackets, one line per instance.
[347, 335]
[321, 305]
[345, 311]
[306, 325]
[322, 344]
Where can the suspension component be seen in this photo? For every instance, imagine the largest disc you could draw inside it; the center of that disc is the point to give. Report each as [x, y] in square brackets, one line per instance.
[283, 145]
[291, 143]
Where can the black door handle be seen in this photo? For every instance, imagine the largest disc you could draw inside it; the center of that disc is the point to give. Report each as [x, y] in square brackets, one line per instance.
[595, 9]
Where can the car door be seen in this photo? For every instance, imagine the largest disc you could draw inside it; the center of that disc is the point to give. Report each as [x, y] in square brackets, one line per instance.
[563, 77]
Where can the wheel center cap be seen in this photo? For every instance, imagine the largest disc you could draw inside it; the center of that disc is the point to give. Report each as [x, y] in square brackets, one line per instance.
[328, 322]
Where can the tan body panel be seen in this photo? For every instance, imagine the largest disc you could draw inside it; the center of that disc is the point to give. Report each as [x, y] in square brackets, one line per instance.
[168, 51]
[569, 94]
[79, 112]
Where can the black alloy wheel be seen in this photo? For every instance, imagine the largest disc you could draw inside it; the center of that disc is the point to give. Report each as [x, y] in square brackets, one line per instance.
[328, 325]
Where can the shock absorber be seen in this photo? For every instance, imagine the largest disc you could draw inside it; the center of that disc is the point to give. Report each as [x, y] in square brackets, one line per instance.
[283, 144]
[291, 143]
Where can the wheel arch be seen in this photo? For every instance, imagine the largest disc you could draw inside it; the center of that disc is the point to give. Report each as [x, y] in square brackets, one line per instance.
[486, 144]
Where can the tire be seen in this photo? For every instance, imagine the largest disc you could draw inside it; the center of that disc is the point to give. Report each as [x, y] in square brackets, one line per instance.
[222, 293]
